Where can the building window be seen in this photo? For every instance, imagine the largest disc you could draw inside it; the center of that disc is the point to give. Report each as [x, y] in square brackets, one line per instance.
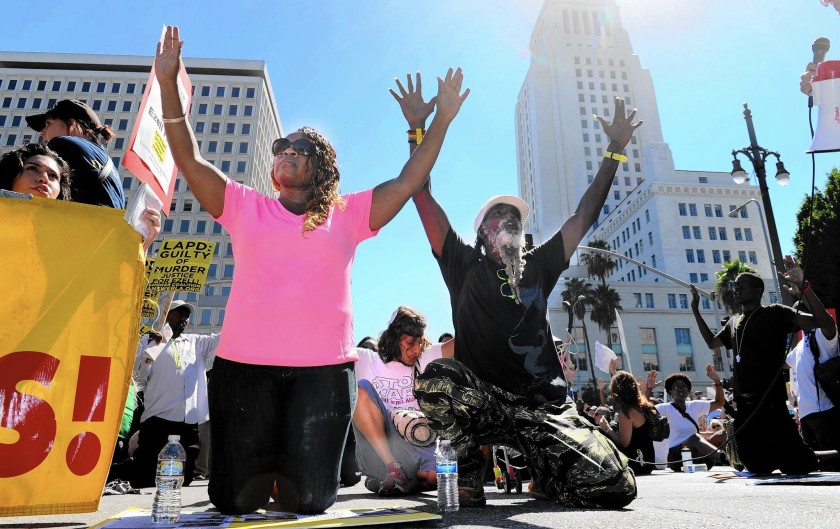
[100, 88]
[115, 88]
[649, 301]
[188, 204]
[707, 208]
[129, 88]
[240, 167]
[185, 226]
[217, 228]
[112, 106]
[234, 91]
[220, 91]
[712, 233]
[706, 305]
[748, 234]
[738, 236]
[716, 256]
[718, 211]
[685, 353]
[205, 316]
[681, 207]
[744, 213]
[653, 261]
[167, 225]
[232, 110]
[704, 278]
[650, 352]
[199, 126]
[701, 256]
[742, 256]
[126, 106]
[122, 125]
[215, 127]
[212, 146]
[249, 111]
[692, 210]
[119, 143]
[683, 301]
[689, 255]
[726, 256]
[202, 108]
[672, 301]
[217, 110]
[692, 277]
[243, 147]
[228, 271]
[753, 258]
[227, 147]
[221, 316]
[637, 298]
[722, 234]
[696, 230]
[230, 128]
[246, 128]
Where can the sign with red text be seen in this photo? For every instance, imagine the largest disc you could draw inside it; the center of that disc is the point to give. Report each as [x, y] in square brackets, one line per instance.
[148, 156]
[71, 312]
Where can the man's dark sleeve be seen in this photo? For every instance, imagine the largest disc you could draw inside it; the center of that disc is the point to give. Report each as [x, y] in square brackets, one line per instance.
[455, 258]
[552, 255]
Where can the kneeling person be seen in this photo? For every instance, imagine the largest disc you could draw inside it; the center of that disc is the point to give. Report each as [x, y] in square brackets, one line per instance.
[394, 444]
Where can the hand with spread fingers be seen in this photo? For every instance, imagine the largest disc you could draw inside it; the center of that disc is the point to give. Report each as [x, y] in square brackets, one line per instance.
[168, 56]
[415, 110]
[450, 98]
[793, 276]
[622, 128]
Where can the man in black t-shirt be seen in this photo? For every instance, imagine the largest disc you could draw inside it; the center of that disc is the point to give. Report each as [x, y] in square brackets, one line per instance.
[766, 435]
[505, 385]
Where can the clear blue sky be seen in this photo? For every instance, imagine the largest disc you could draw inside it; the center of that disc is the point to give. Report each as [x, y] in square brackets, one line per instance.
[331, 63]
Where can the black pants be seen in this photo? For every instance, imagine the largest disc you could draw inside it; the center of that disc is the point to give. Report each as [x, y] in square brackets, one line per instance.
[767, 439]
[278, 424]
[821, 430]
[141, 469]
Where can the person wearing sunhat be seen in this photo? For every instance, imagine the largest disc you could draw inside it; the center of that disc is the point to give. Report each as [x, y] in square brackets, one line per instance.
[73, 130]
[170, 369]
[505, 363]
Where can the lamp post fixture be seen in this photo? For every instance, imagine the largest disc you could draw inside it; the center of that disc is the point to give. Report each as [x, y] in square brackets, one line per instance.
[734, 214]
[757, 155]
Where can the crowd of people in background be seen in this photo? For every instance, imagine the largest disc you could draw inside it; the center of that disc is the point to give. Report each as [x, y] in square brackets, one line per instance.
[289, 392]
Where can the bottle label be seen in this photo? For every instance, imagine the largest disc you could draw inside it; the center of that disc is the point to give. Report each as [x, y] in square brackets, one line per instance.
[169, 467]
[447, 468]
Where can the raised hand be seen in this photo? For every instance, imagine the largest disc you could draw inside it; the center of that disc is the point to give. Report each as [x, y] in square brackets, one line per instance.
[168, 56]
[695, 298]
[450, 98]
[651, 380]
[415, 110]
[712, 373]
[613, 365]
[793, 275]
[621, 129]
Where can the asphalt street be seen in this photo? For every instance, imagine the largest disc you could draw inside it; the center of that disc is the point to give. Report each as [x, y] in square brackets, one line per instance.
[666, 499]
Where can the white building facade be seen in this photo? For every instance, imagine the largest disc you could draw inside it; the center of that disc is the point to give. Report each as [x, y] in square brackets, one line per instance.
[233, 113]
[673, 220]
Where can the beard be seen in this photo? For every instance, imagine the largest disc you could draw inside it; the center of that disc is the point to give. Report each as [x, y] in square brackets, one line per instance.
[509, 241]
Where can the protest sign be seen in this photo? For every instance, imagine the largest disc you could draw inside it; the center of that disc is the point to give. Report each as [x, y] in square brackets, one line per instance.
[70, 323]
[181, 266]
[148, 156]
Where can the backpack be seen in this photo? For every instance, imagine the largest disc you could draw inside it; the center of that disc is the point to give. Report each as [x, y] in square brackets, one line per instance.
[658, 426]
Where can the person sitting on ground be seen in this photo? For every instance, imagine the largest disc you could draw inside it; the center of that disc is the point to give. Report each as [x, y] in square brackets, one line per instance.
[283, 385]
[766, 435]
[73, 130]
[818, 416]
[172, 375]
[35, 169]
[394, 445]
[505, 360]
[684, 418]
[633, 436]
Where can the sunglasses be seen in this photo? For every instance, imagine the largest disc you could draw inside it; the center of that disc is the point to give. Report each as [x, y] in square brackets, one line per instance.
[302, 146]
[739, 285]
[505, 288]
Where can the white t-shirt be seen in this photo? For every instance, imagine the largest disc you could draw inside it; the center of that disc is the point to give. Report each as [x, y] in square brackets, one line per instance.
[681, 428]
[394, 381]
[801, 361]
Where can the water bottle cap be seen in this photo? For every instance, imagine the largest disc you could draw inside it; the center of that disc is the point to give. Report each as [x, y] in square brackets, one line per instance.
[174, 437]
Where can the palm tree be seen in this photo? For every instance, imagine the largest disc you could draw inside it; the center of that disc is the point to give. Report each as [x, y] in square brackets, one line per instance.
[597, 264]
[575, 288]
[728, 272]
[605, 301]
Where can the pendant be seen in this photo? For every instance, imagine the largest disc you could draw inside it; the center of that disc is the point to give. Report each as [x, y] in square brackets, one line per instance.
[738, 358]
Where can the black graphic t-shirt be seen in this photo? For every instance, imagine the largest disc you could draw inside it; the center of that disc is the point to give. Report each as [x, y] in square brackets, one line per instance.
[505, 343]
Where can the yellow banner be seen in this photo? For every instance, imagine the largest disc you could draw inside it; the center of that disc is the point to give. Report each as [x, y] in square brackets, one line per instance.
[71, 314]
[181, 266]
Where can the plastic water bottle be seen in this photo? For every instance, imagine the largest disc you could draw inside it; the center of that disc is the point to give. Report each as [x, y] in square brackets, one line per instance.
[687, 463]
[166, 507]
[447, 477]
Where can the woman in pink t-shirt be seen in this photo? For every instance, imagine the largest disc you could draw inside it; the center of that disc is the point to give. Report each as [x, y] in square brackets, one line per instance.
[283, 386]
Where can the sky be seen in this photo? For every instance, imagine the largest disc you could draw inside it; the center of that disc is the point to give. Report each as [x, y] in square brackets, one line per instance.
[331, 63]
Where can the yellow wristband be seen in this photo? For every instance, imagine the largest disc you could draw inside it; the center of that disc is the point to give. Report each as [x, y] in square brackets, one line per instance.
[615, 156]
[419, 135]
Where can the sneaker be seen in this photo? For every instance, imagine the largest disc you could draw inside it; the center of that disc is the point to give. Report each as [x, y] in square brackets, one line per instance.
[394, 482]
[471, 493]
[372, 484]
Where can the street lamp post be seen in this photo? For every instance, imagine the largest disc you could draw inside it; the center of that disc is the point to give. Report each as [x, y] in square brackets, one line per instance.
[734, 213]
[757, 155]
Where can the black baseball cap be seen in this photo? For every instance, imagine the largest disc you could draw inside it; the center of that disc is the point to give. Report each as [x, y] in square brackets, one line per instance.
[64, 110]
